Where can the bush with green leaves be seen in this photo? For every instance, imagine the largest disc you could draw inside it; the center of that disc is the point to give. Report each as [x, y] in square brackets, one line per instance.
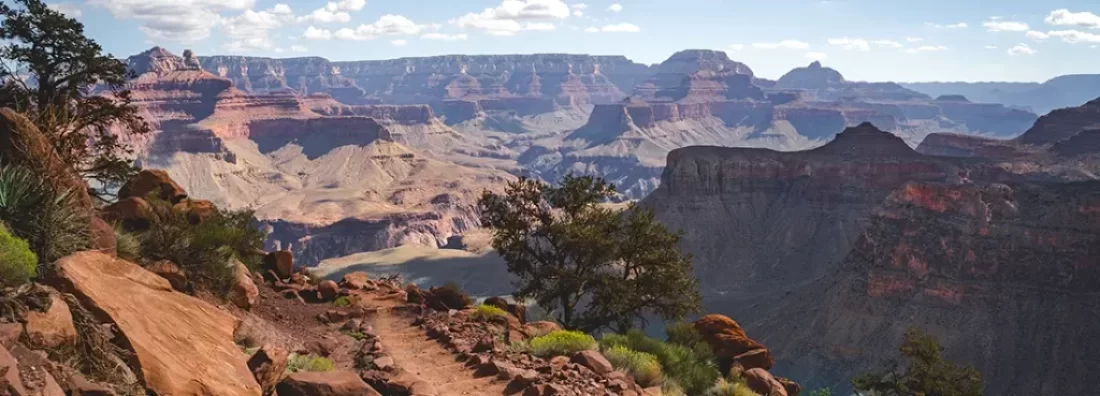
[18, 264]
[730, 388]
[684, 333]
[296, 363]
[487, 313]
[51, 221]
[127, 245]
[205, 250]
[342, 301]
[562, 342]
[693, 371]
[644, 367]
[925, 372]
[821, 392]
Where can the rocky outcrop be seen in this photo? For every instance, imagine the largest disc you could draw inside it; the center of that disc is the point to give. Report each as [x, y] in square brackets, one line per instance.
[182, 345]
[854, 242]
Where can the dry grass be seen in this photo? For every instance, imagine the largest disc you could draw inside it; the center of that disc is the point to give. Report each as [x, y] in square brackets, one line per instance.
[95, 355]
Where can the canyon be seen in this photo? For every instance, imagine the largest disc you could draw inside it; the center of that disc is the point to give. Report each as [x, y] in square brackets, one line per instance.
[834, 252]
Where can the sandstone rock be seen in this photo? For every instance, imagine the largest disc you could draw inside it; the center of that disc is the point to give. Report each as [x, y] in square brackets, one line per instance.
[197, 210]
[330, 383]
[281, 261]
[10, 333]
[101, 236]
[171, 272]
[594, 361]
[23, 144]
[406, 383]
[540, 328]
[729, 340]
[384, 363]
[445, 298]
[498, 302]
[182, 345]
[23, 373]
[52, 328]
[244, 292]
[356, 280]
[77, 385]
[267, 366]
[133, 213]
[328, 290]
[762, 382]
[793, 388]
[153, 182]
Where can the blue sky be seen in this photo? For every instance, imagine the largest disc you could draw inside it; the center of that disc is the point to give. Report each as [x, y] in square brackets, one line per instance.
[869, 40]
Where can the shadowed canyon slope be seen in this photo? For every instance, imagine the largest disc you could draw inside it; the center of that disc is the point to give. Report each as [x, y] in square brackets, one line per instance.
[834, 252]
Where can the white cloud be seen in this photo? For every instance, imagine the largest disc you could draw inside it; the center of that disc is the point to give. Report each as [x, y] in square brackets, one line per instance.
[579, 6]
[251, 30]
[513, 16]
[615, 8]
[1075, 36]
[387, 25]
[851, 44]
[1064, 17]
[174, 20]
[914, 39]
[313, 33]
[785, 44]
[399, 43]
[322, 15]
[69, 9]
[1021, 49]
[298, 48]
[991, 47]
[737, 47]
[887, 43]
[578, 13]
[997, 25]
[1037, 35]
[621, 28]
[927, 48]
[445, 36]
[279, 50]
[960, 25]
[817, 56]
[346, 5]
[281, 9]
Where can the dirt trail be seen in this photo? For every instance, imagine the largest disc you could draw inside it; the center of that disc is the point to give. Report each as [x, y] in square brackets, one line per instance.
[413, 351]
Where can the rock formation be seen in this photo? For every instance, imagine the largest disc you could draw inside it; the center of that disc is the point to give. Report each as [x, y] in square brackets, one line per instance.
[834, 252]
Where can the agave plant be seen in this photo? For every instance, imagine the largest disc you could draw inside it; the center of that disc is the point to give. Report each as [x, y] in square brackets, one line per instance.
[49, 219]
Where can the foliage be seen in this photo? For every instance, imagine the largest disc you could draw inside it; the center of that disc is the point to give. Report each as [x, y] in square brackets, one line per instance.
[566, 249]
[127, 245]
[18, 264]
[48, 219]
[519, 346]
[821, 392]
[488, 313]
[308, 363]
[926, 372]
[55, 75]
[562, 342]
[730, 388]
[693, 371]
[644, 367]
[455, 290]
[342, 301]
[684, 333]
[205, 250]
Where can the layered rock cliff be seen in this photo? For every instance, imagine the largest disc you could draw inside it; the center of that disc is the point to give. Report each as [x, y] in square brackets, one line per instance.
[835, 252]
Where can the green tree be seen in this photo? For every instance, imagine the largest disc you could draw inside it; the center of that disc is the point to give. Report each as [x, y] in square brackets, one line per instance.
[926, 374]
[594, 267]
[70, 89]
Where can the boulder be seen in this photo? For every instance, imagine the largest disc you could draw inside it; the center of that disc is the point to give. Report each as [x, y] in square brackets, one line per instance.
[23, 144]
[445, 299]
[498, 302]
[153, 182]
[53, 327]
[762, 382]
[133, 213]
[413, 294]
[267, 366]
[10, 333]
[22, 377]
[329, 383]
[244, 292]
[793, 388]
[594, 361]
[102, 236]
[197, 210]
[729, 340]
[356, 280]
[328, 290]
[540, 328]
[170, 272]
[282, 262]
[182, 345]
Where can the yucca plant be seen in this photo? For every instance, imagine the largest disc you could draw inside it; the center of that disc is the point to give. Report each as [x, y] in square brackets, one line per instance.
[48, 219]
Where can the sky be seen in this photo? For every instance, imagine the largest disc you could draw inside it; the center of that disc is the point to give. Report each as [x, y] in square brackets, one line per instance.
[866, 40]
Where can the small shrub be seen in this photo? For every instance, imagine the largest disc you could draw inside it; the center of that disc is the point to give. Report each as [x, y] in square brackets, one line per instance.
[48, 219]
[692, 370]
[487, 313]
[730, 388]
[460, 294]
[127, 245]
[358, 336]
[821, 392]
[684, 333]
[342, 301]
[562, 342]
[643, 366]
[299, 363]
[520, 346]
[18, 264]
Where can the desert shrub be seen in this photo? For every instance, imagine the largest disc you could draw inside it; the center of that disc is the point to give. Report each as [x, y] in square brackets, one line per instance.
[730, 388]
[457, 291]
[821, 392]
[519, 346]
[204, 249]
[693, 371]
[342, 301]
[684, 333]
[925, 372]
[562, 342]
[643, 366]
[127, 245]
[299, 363]
[18, 264]
[48, 219]
[488, 312]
